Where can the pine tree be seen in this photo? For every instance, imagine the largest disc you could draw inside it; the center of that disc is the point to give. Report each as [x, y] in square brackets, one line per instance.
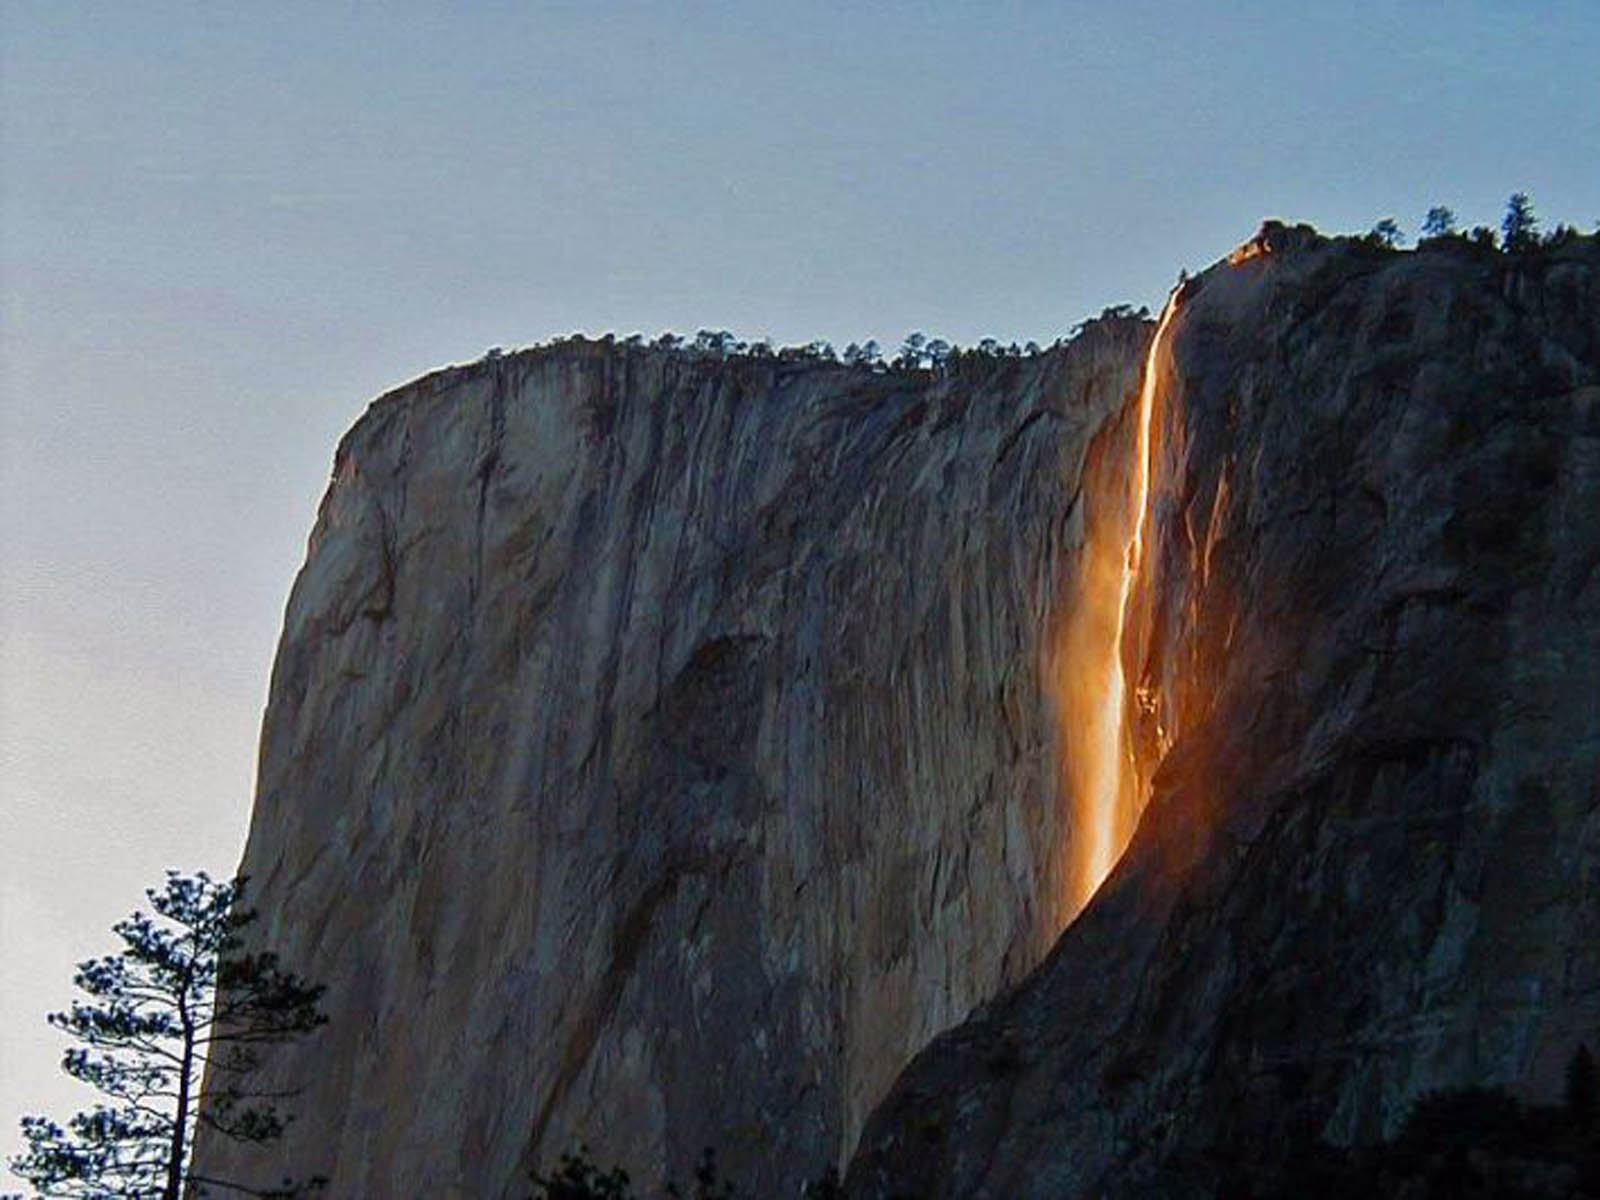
[180, 1003]
[1440, 222]
[1520, 228]
[1386, 233]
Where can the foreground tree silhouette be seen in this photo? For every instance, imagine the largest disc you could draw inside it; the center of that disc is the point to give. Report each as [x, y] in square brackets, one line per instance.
[579, 1179]
[181, 1002]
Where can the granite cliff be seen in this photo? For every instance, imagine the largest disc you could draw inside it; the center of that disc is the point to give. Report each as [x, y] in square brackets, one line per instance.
[662, 750]
[1366, 647]
[659, 753]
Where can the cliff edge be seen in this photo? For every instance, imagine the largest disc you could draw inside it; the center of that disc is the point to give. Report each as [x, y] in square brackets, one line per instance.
[658, 754]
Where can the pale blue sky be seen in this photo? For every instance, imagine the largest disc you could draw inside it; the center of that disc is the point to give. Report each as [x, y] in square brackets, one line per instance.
[224, 227]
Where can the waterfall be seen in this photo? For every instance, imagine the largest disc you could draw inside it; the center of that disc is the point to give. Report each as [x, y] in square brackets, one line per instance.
[1106, 792]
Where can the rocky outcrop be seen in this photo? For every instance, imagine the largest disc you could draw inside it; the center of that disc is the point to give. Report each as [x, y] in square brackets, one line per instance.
[658, 754]
[1367, 643]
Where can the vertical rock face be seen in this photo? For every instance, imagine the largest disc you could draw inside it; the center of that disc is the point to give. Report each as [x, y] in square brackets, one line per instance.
[1367, 641]
[657, 755]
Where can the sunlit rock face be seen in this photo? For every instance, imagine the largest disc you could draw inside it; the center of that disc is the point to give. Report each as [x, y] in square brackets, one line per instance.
[1370, 634]
[658, 754]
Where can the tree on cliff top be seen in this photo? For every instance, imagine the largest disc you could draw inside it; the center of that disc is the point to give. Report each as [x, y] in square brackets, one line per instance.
[1386, 233]
[181, 1002]
[1520, 228]
[1440, 222]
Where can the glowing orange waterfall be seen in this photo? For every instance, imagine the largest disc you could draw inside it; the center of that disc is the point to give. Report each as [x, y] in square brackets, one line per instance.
[1092, 688]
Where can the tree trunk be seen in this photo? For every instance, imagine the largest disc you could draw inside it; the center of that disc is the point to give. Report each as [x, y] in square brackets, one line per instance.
[180, 1118]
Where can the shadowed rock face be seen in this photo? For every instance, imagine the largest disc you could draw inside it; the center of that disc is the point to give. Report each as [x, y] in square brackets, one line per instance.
[657, 755]
[1370, 865]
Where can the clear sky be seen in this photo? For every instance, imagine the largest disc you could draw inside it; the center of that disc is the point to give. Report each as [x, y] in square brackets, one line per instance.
[226, 226]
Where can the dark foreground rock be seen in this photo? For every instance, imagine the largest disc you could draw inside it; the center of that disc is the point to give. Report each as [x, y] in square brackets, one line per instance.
[1368, 644]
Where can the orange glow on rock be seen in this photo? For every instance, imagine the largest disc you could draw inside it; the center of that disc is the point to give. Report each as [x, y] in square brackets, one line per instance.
[1091, 685]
